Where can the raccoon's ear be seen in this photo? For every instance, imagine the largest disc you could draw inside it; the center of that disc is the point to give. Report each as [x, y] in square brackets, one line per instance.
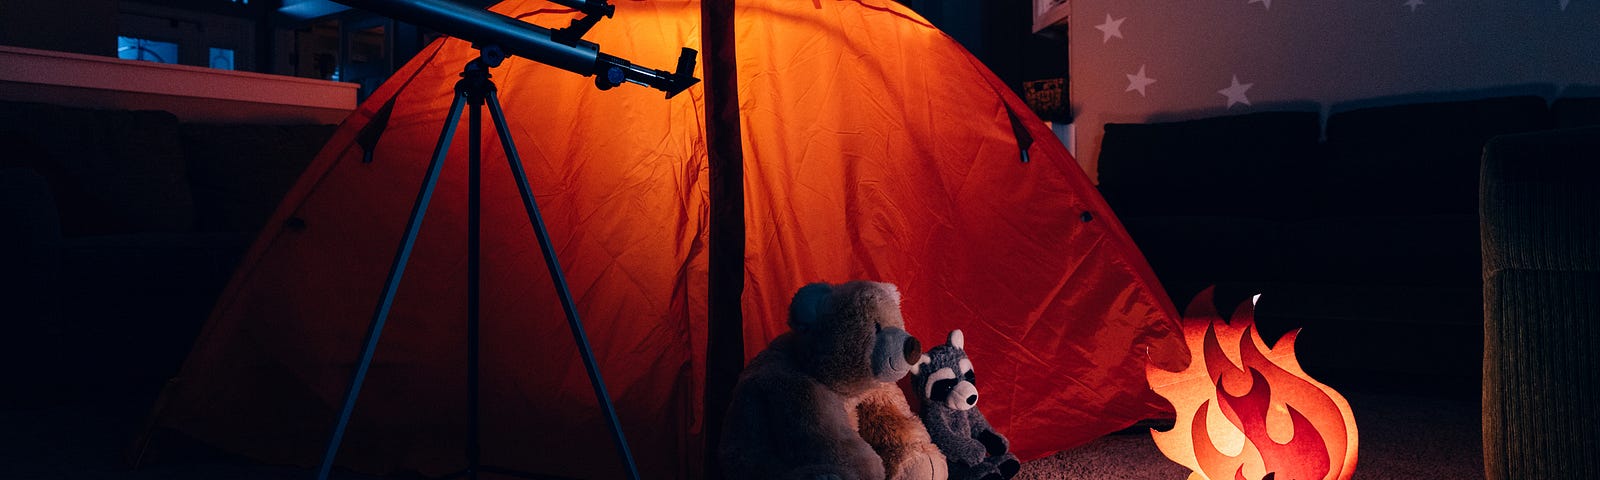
[958, 340]
[807, 307]
[925, 361]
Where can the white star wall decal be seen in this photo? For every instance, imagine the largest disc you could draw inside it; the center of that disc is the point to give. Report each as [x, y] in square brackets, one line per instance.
[1416, 3]
[1564, 4]
[1235, 92]
[1111, 28]
[1267, 3]
[1137, 81]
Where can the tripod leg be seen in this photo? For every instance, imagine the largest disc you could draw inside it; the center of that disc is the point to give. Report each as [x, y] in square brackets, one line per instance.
[610, 414]
[413, 225]
[474, 219]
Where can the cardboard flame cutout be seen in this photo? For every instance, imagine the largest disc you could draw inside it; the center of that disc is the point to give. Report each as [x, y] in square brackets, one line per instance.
[1249, 412]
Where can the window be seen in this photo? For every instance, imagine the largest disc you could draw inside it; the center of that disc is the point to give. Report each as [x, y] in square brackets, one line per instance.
[222, 58]
[129, 48]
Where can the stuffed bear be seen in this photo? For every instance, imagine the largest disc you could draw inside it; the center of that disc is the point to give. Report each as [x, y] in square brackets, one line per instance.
[949, 392]
[821, 401]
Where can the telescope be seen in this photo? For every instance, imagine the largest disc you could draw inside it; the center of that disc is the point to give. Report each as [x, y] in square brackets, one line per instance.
[495, 36]
[564, 48]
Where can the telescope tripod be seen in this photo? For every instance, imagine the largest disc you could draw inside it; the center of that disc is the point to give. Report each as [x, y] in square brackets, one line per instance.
[475, 89]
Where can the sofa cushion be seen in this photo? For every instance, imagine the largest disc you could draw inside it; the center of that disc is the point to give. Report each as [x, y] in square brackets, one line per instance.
[1417, 159]
[1369, 336]
[239, 173]
[30, 242]
[132, 304]
[110, 171]
[154, 277]
[1576, 112]
[1206, 250]
[1436, 250]
[1237, 166]
[28, 252]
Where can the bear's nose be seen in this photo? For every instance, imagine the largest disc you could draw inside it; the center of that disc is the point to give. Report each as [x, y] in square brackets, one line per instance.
[912, 350]
[973, 399]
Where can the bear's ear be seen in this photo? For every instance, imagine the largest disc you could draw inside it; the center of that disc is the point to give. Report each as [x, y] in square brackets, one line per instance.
[807, 307]
[958, 340]
[893, 292]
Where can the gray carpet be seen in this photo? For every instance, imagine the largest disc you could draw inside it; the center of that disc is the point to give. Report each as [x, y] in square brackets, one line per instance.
[1401, 437]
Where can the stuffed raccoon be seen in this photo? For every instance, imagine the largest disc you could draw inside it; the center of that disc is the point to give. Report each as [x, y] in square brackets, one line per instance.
[948, 386]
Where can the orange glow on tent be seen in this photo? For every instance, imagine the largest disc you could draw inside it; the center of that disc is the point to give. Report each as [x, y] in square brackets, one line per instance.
[874, 147]
[1246, 410]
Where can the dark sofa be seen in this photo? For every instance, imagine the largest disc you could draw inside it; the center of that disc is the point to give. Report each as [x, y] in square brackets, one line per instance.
[1364, 233]
[121, 228]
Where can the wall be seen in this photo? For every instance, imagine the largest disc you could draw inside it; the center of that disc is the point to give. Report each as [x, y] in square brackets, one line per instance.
[195, 32]
[1309, 55]
[79, 26]
[1000, 34]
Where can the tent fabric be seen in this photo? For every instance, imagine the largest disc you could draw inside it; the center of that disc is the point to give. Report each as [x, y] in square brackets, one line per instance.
[874, 147]
[877, 148]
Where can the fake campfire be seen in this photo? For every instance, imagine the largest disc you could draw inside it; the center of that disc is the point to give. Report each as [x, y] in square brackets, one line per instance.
[1246, 411]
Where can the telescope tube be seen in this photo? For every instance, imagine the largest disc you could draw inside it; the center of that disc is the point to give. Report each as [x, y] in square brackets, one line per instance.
[483, 27]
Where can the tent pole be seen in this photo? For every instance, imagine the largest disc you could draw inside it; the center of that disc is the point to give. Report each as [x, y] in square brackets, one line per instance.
[392, 284]
[474, 93]
[726, 231]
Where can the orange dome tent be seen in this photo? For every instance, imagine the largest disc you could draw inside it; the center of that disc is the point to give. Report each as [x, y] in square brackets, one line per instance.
[873, 147]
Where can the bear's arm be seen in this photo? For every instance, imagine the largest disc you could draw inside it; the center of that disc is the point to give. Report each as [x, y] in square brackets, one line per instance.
[993, 443]
[885, 421]
[791, 427]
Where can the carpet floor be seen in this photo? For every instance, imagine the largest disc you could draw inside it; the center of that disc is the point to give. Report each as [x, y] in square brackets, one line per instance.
[1402, 437]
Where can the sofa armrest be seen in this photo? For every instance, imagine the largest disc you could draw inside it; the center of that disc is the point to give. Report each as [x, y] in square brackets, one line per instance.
[1541, 265]
[1539, 206]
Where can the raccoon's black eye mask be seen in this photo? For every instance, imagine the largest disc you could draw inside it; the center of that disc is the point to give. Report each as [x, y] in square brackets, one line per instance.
[942, 388]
